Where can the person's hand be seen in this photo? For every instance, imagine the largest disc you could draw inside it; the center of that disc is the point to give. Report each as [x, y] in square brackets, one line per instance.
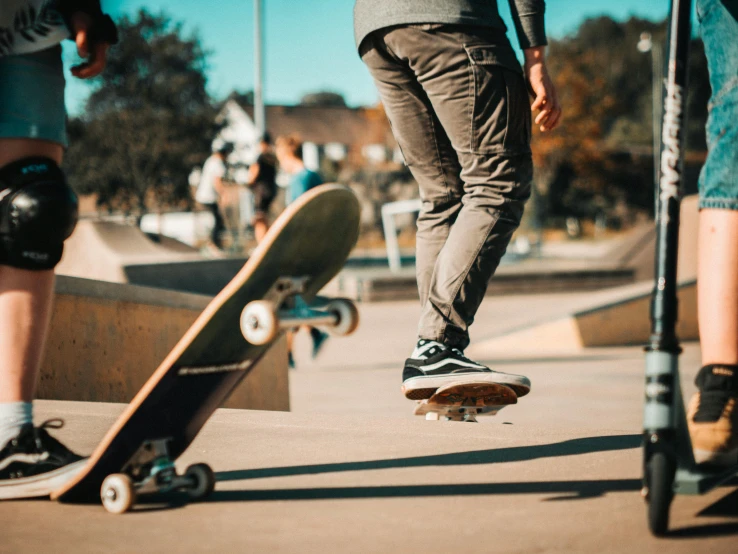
[546, 102]
[94, 52]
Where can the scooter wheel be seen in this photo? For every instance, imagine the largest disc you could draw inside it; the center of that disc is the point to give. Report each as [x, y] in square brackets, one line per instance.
[660, 478]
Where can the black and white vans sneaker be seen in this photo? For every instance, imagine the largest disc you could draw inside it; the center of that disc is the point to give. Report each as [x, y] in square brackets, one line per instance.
[433, 365]
[35, 463]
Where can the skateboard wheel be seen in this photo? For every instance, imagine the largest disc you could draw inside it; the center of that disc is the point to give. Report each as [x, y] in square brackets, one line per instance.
[204, 481]
[347, 314]
[432, 416]
[259, 323]
[117, 493]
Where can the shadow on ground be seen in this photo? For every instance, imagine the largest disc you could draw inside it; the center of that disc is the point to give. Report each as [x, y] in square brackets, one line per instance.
[494, 456]
[726, 507]
[567, 489]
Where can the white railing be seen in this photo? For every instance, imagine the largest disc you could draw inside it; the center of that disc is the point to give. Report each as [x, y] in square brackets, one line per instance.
[389, 211]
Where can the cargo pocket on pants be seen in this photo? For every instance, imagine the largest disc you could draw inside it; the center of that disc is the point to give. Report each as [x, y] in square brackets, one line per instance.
[500, 113]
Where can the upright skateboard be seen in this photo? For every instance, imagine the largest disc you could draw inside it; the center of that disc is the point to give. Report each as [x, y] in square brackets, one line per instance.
[668, 460]
[305, 248]
[464, 402]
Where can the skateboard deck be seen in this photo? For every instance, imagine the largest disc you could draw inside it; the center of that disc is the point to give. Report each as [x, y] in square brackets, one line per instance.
[305, 248]
[463, 402]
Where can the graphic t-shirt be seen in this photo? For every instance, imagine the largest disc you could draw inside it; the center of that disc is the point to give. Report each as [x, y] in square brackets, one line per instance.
[28, 26]
[301, 183]
[214, 167]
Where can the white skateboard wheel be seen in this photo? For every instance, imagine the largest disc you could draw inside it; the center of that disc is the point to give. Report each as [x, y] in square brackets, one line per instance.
[204, 481]
[432, 416]
[259, 322]
[117, 493]
[347, 314]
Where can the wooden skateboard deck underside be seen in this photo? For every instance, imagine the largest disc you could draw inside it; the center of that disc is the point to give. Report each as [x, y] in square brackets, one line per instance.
[312, 238]
[469, 399]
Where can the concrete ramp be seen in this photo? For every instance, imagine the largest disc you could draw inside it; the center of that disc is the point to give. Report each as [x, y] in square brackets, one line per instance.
[106, 340]
[617, 317]
[118, 253]
[102, 250]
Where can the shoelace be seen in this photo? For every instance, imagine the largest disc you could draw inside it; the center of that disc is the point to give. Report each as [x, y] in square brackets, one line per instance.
[40, 434]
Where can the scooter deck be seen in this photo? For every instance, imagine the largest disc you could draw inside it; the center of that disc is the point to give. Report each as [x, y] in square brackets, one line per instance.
[701, 480]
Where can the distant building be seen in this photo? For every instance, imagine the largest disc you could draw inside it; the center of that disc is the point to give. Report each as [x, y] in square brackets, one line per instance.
[351, 136]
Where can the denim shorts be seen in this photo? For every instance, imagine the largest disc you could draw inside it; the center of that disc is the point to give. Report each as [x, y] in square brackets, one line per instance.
[718, 185]
[32, 96]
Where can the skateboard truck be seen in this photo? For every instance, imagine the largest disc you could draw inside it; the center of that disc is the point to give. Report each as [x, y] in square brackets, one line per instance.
[151, 470]
[469, 415]
[284, 308]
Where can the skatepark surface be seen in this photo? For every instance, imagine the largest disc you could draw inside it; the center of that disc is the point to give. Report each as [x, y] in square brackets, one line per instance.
[351, 470]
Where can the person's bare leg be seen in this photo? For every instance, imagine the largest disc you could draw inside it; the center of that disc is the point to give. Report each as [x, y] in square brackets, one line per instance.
[717, 286]
[25, 308]
[711, 413]
[260, 229]
[25, 300]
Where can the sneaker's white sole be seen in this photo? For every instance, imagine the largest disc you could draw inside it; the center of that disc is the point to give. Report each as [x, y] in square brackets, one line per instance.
[521, 383]
[39, 485]
[725, 459]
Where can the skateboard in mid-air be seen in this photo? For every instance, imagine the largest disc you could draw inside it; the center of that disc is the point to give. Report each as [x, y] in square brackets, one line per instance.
[274, 291]
[466, 401]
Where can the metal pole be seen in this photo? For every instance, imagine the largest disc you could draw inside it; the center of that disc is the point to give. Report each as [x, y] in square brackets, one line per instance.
[664, 300]
[657, 80]
[259, 112]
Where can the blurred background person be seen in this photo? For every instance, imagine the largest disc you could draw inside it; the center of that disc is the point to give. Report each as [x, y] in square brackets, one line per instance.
[210, 191]
[262, 180]
[302, 179]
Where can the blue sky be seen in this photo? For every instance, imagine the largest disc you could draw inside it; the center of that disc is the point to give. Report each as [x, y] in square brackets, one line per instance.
[309, 44]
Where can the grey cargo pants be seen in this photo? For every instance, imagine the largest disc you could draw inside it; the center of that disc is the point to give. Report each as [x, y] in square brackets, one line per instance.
[458, 105]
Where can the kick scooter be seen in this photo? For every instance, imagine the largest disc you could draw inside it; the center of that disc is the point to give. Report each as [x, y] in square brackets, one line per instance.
[669, 467]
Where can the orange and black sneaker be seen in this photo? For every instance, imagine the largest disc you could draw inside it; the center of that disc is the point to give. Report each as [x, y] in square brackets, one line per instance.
[712, 416]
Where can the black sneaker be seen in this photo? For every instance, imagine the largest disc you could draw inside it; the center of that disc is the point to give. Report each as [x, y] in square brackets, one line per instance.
[435, 365]
[35, 463]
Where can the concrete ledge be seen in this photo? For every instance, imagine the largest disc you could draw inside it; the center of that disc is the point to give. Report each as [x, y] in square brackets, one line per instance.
[618, 317]
[531, 277]
[107, 339]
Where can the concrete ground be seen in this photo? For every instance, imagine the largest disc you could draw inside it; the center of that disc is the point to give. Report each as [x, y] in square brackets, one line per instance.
[351, 470]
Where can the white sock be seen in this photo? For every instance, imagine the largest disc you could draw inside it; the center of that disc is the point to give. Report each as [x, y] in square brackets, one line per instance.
[13, 415]
[426, 349]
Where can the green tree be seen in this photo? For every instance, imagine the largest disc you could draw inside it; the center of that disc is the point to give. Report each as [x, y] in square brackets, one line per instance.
[604, 84]
[148, 122]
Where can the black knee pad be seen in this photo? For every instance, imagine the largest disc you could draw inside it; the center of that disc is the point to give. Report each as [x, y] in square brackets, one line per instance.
[38, 212]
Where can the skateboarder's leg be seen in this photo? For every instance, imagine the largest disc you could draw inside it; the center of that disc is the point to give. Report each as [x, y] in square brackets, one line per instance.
[31, 105]
[474, 170]
[25, 301]
[427, 151]
[481, 100]
[713, 413]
